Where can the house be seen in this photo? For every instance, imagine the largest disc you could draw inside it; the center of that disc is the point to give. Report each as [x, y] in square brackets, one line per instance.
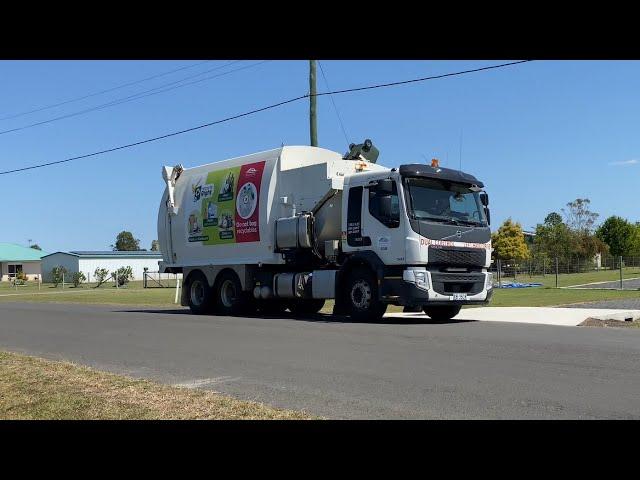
[88, 261]
[16, 258]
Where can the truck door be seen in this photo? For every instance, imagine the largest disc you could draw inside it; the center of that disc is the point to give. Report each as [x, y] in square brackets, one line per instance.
[382, 221]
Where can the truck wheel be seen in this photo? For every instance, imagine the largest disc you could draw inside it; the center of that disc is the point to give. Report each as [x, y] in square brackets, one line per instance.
[442, 313]
[199, 294]
[307, 306]
[362, 297]
[229, 297]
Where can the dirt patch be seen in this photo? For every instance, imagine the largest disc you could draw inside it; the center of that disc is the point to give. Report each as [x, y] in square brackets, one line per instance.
[597, 322]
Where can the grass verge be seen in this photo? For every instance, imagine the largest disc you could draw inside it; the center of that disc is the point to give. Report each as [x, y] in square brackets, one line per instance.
[34, 388]
[135, 295]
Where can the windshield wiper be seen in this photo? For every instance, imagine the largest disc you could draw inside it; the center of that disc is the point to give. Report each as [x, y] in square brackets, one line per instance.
[433, 219]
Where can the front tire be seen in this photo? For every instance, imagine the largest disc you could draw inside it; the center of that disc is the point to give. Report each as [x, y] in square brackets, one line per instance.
[442, 313]
[199, 294]
[362, 297]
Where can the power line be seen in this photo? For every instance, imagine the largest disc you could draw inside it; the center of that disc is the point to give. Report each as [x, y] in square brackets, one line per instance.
[421, 79]
[258, 110]
[346, 137]
[136, 96]
[47, 107]
[160, 137]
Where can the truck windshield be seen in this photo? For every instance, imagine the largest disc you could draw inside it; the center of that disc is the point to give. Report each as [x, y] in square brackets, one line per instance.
[445, 202]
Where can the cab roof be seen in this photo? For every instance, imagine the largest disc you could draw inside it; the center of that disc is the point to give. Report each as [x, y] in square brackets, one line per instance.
[439, 173]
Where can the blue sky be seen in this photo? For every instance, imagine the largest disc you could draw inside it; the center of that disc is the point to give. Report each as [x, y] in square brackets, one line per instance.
[538, 134]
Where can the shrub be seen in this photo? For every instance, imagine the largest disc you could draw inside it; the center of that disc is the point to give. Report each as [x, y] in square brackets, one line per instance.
[123, 275]
[57, 274]
[78, 278]
[102, 275]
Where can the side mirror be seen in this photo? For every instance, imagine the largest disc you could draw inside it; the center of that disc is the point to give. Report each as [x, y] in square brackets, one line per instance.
[487, 214]
[484, 198]
[385, 186]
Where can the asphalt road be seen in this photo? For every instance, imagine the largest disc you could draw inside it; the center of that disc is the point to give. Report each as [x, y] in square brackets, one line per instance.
[631, 284]
[414, 369]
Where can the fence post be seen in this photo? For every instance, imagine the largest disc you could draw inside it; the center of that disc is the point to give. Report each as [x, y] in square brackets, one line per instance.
[63, 280]
[621, 286]
[556, 272]
[177, 290]
[499, 267]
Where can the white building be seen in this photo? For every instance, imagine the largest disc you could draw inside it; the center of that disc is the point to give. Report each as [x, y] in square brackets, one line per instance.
[87, 262]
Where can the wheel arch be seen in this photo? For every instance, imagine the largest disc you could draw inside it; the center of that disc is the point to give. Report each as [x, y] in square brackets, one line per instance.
[366, 259]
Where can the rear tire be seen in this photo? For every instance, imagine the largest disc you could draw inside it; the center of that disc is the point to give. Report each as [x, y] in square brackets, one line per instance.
[442, 313]
[362, 296]
[229, 298]
[306, 306]
[199, 294]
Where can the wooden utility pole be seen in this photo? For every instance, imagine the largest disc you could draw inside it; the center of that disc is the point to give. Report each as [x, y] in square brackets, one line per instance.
[313, 117]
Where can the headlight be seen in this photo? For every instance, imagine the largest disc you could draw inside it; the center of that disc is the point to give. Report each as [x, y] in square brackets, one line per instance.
[421, 280]
[489, 284]
[419, 277]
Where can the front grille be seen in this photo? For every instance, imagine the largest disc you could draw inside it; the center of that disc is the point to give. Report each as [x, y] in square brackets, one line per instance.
[460, 257]
[448, 283]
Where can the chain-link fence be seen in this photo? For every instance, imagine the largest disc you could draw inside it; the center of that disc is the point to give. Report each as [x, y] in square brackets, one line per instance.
[160, 280]
[600, 272]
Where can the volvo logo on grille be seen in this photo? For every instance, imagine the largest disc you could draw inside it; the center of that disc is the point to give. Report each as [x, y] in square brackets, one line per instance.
[459, 234]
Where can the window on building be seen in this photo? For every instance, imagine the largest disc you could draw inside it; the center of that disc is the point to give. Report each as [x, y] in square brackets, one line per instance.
[14, 269]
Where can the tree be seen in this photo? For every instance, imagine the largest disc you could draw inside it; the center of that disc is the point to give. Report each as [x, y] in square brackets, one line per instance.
[155, 245]
[578, 217]
[36, 246]
[508, 242]
[126, 242]
[78, 278]
[553, 237]
[123, 275]
[619, 234]
[101, 275]
[57, 274]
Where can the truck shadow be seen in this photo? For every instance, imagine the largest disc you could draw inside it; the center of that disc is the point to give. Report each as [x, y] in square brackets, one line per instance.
[410, 319]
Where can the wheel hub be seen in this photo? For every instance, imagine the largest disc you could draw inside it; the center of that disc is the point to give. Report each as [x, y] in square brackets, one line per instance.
[227, 293]
[361, 294]
[197, 292]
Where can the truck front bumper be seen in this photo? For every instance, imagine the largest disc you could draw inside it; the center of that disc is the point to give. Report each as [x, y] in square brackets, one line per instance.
[405, 292]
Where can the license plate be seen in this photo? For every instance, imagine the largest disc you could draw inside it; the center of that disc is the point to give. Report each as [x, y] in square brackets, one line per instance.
[459, 296]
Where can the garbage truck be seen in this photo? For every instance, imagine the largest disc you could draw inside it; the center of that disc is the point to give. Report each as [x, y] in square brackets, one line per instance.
[293, 227]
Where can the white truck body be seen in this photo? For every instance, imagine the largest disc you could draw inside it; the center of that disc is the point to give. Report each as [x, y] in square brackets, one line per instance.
[294, 179]
[281, 221]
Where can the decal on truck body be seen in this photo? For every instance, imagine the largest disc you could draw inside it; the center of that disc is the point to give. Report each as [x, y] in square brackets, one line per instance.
[226, 206]
[445, 243]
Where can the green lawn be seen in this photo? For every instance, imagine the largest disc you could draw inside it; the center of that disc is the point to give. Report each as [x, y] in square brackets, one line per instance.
[565, 280]
[134, 294]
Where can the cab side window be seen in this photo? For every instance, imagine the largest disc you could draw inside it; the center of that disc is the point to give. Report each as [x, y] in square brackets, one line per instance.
[384, 204]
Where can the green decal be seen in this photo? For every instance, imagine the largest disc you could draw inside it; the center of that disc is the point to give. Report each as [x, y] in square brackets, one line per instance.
[218, 210]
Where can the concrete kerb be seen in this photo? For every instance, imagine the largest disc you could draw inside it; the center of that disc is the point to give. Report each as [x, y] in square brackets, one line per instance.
[567, 317]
